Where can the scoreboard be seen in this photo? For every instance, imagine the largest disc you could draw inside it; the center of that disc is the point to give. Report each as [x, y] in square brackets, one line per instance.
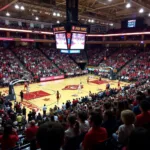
[75, 39]
[79, 29]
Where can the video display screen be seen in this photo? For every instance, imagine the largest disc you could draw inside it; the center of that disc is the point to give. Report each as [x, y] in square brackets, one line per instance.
[61, 42]
[131, 23]
[78, 41]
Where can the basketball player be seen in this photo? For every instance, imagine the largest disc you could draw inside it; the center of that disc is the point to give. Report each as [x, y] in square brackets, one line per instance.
[100, 78]
[88, 78]
[25, 86]
[118, 83]
[58, 97]
[79, 87]
[107, 86]
[27, 89]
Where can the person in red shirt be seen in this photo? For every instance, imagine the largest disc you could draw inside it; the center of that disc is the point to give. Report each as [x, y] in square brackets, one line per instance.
[31, 131]
[58, 96]
[31, 135]
[9, 139]
[96, 134]
[143, 119]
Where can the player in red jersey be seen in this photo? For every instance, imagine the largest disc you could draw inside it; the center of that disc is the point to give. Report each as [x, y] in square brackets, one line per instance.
[58, 96]
[118, 84]
[100, 78]
[88, 79]
[25, 86]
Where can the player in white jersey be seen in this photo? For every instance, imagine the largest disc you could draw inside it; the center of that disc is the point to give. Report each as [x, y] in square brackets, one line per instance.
[79, 87]
[27, 89]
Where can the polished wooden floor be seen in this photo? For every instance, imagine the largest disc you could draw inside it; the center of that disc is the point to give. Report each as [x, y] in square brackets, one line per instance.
[52, 86]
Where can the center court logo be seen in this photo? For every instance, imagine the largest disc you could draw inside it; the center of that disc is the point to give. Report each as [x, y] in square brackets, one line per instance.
[71, 87]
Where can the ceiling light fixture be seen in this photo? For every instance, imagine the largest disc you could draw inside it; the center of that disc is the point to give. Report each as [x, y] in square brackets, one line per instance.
[36, 18]
[128, 5]
[92, 21]
[58, 14]
[17, 6]
[7, 14]
[54, 14]
[111, 24]
[22, 8]
[141, 10]
[58, 21]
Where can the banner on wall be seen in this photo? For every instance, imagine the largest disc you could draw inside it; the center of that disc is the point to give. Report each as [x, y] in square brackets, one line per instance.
[52, 78]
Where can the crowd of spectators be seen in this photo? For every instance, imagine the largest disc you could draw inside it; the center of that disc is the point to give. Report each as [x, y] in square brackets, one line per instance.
[36, 62]
[63, 61]
[118, 118]
[97, 55]
[121, 57]
[139, 68]
[10, 67]
[81, 57]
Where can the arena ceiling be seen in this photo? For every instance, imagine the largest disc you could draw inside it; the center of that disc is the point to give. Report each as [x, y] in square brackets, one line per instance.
[97, 10]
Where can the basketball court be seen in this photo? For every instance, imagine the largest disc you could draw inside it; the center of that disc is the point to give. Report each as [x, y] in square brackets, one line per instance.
[45, 92]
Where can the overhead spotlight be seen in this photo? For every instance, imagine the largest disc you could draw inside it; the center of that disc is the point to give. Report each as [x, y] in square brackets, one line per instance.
[36, 18]
[109, 0]
[22, 8]
[149, 15]
[54, 14]
[111, 24]
[89, 20]
[17, 6]
[7, 14]
[58, 21]
[128, 5]
[141, 10]
[92, 20]
[58, 14]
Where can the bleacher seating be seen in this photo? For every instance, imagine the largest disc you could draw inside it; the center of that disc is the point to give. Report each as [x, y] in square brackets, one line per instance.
[63, 61]
[121, 57]
[10, 67]
[36, 62]
[139, 68]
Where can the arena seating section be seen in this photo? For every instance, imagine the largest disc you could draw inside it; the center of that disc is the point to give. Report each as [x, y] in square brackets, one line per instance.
[10, 67]
[36, 62]
[63, 61]
[138, 68]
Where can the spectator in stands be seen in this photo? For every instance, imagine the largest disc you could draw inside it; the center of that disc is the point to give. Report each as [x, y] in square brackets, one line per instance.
[136, 109]
[24, 111]
[143, 119]
[19, 119]
[124, 131]
[139, 140]
[9, 138]
[83, 123]
[44, 109]
[148, 94]
[71, 131]
[96, 134]
[109, 122]
[50, 136]
[31, 131]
